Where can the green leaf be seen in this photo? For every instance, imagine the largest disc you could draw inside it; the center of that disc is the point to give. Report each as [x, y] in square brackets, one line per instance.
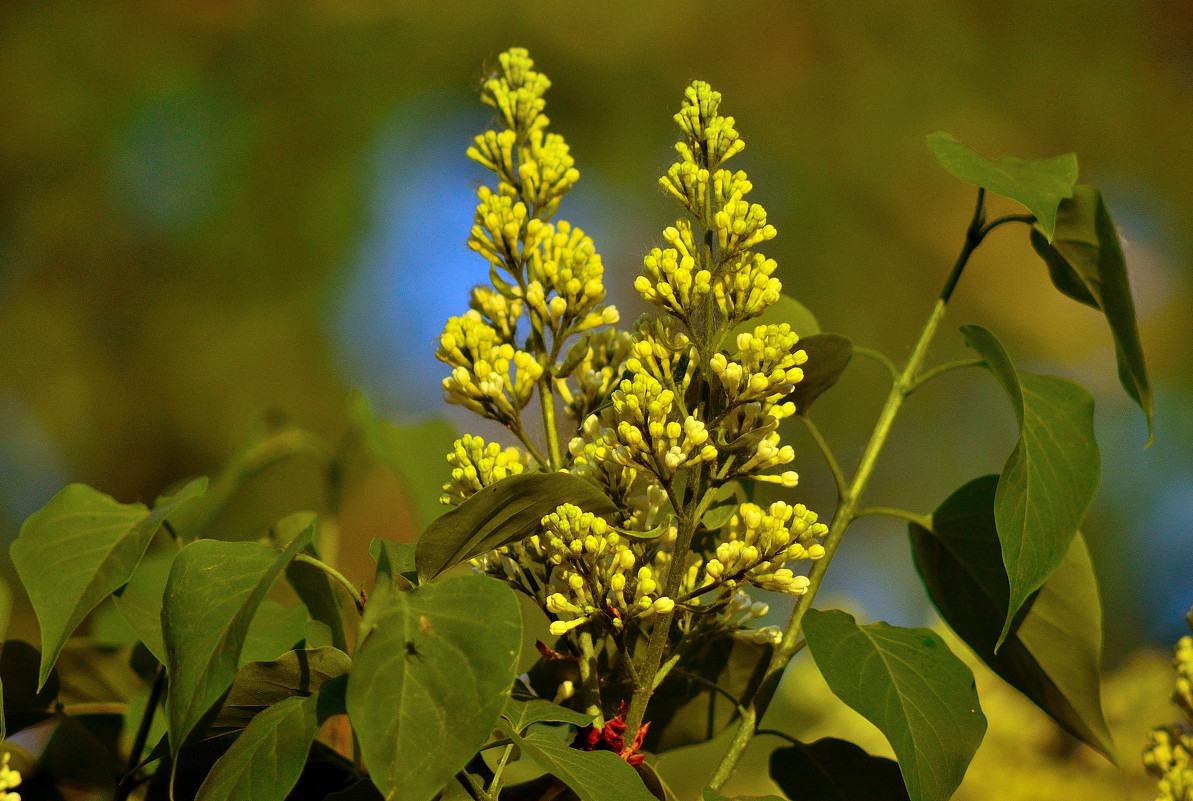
[315, 590]
[828, 356]
[910, 685]
[260, 685]
[266, 760]
[1054, 656]
[274, 631]
[79, 549]
[1050, 478]
[430, 679]
[521, 714]
[835, 770]
[1085, 261]
[417, 454]
[505, 512]
[25, 700]
[141, 600]
[592, 775]
[211, 597]
[1039, 184]
[393, 558]
[309, 582]
[685, 708]
[784, 310]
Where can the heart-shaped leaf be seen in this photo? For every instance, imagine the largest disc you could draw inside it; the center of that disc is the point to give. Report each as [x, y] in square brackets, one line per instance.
[1050, 478]
[835, 770]
[1039, 184]
[265, 761]
[592, 775]
[505, 512]
[260, 685]
[912, 687]
[430, 679]
[212, 594]
[79, 549]
[828, 356]
[1054, 656]
[274, 631]
[1085, 261]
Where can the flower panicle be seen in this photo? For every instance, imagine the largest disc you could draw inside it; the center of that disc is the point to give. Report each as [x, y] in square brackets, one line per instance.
[663, 415]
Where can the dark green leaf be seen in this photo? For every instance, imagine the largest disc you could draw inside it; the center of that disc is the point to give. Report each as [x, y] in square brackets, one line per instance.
[260, 685]
[717, 517]
[828, 355]
[25, 703]
[430, 679]
[1054, 656]
[79, 549]
[910, 685]
[505, 512]
[785, 310]
[211, 597]
[1050, 478]
[1039, 184]
[522, 713]
[686, 709]
[1085, 261]
[592, 775]
[274, 631]
[267, 758]
[417, 454]
[835, 770]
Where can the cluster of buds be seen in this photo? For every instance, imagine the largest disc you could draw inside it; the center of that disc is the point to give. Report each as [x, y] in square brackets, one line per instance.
[595, 573]
[1169, 752]
[475, 465]
[489, 377]
[758, 542]
[766, 370]
[565, 264]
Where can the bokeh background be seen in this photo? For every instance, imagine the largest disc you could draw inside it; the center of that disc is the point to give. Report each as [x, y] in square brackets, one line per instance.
[218, 215]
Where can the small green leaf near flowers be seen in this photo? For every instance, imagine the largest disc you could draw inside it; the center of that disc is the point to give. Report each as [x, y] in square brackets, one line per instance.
[497, 515]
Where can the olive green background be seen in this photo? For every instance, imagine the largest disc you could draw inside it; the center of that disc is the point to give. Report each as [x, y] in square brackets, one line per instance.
[188, 192]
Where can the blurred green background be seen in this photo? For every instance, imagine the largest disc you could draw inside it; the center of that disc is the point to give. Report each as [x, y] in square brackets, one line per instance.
[214, 214]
